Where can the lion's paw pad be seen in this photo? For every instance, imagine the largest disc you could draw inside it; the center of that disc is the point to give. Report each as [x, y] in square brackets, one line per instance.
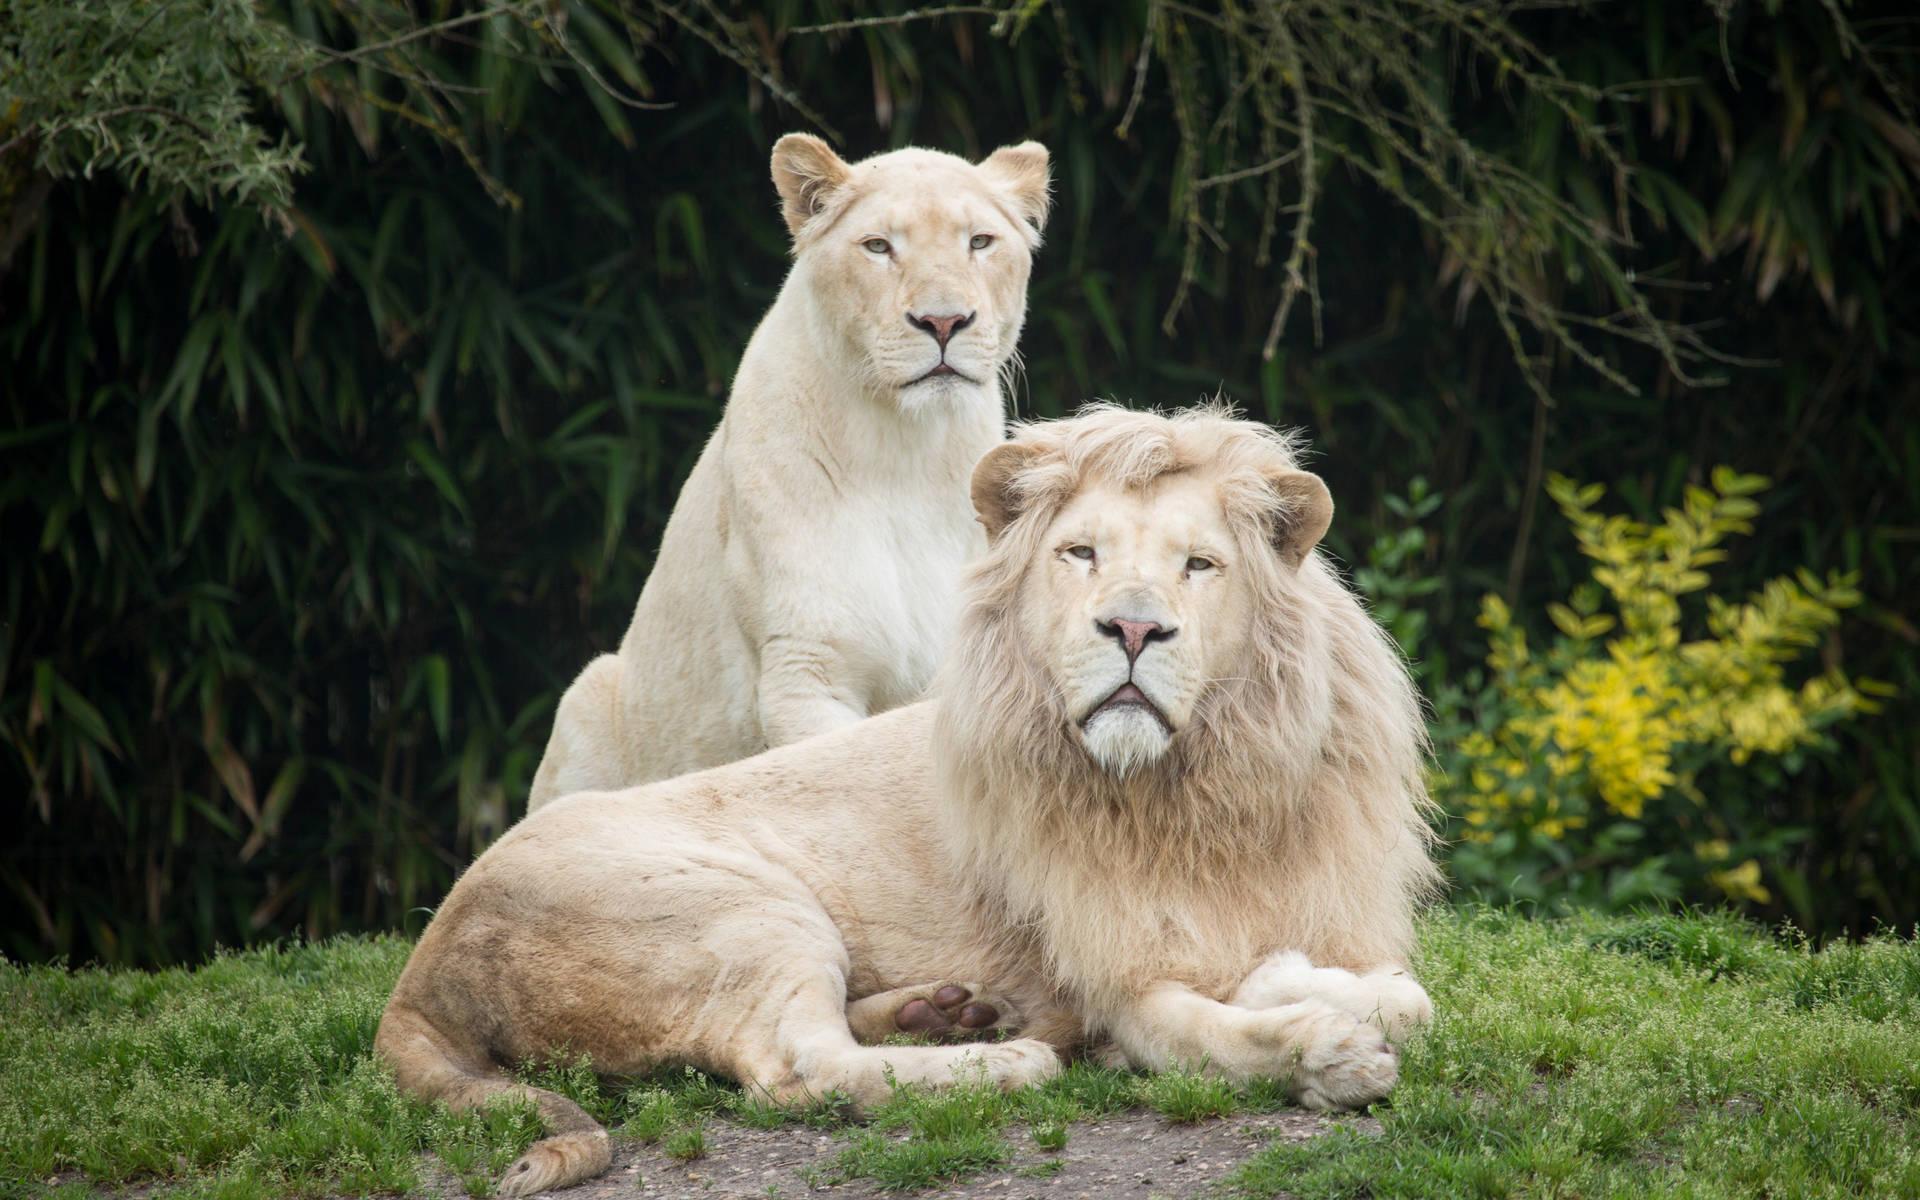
[953, 1011]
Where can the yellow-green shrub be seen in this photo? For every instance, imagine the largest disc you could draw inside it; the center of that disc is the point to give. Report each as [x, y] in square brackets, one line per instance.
[1620, 763]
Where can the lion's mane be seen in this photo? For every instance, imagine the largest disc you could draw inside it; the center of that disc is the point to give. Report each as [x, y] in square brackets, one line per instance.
[1291, 814]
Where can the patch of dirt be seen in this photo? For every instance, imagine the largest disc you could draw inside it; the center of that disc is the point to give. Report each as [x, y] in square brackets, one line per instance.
[1133, 1156]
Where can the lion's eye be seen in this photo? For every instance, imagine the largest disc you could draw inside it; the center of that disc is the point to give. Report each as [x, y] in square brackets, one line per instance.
[1084, 553]
[878, 246]
[981, 241]
[1197, 563]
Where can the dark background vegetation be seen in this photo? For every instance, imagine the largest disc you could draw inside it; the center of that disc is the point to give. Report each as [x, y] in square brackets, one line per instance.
[308, 512]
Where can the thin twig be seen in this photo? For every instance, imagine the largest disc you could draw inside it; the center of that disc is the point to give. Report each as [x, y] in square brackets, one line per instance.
[447, 132]
[560, 38]
[1530, 498]
[1192, 13]
[1140, 65]
[741, 59]
[922, 14]
[1272, 164]
[1295, 281]
[1179, 82]
[331, 57]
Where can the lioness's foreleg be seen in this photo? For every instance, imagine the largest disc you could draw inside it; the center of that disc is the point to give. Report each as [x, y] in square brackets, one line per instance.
[805, 690]
[808, 1052]
[957, 1011]
[1387, 996]
[1329, 1058]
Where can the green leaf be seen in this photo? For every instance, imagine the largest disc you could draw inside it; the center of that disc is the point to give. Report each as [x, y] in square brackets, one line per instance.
[14, 439]
[621, 477]
[437, 474]
[439, 694]
[83, 714]
[1098, 303]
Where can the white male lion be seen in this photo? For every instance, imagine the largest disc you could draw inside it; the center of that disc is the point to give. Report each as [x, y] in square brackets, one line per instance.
[807, 576]
[1167, 795]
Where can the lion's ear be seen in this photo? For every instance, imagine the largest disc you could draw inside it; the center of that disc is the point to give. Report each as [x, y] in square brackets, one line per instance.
[1021, 172]
[1302, 512]
[807, 172]
[994, 501]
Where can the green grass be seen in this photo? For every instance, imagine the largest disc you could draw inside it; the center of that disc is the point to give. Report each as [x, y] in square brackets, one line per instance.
[1686, 1056]
[1663, 1055]
[686, 1143]
[1185, 1097]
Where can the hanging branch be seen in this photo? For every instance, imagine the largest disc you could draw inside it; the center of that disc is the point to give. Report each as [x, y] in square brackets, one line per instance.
[1140, 65]
[919, 14]
[747, 60]
[1313, 80]
[1295, 280]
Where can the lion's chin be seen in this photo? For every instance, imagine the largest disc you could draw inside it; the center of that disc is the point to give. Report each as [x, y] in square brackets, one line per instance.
[930, 394]
[1125, 738]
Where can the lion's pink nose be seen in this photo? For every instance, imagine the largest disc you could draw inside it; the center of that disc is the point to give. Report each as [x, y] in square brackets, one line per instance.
[941, 328]
[1134, 635]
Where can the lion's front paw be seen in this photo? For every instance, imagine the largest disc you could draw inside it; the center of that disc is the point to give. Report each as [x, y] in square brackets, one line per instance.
[1348, 1064]
[956, 1012]
[1019, 1063]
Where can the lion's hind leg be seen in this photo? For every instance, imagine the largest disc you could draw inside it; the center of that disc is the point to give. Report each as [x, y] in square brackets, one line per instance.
[426, 1064]
[808, 1052]
[1388, 996]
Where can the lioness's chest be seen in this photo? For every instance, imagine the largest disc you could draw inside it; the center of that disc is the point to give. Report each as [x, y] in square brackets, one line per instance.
[904, 559]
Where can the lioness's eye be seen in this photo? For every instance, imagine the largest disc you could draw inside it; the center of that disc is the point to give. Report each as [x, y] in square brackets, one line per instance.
[1196, 563]
[1081, 552]
[878, 246]
[981, 241]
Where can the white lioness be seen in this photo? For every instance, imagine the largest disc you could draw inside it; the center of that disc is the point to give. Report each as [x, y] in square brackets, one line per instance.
[1167, 795]
[808, 574]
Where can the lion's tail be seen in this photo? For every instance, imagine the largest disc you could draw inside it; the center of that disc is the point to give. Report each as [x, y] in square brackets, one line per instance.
[426, 1064]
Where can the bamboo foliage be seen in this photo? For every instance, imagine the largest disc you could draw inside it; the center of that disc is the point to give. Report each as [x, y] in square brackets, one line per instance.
[305, 531]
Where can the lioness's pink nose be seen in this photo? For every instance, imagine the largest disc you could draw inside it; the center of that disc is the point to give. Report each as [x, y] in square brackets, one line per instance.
[942, 328]
[1134, 635]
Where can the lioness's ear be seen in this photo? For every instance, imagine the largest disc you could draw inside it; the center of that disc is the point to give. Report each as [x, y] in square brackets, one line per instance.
[993, 499]
[807, 171]
[1302, 513]
[1021, 171]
